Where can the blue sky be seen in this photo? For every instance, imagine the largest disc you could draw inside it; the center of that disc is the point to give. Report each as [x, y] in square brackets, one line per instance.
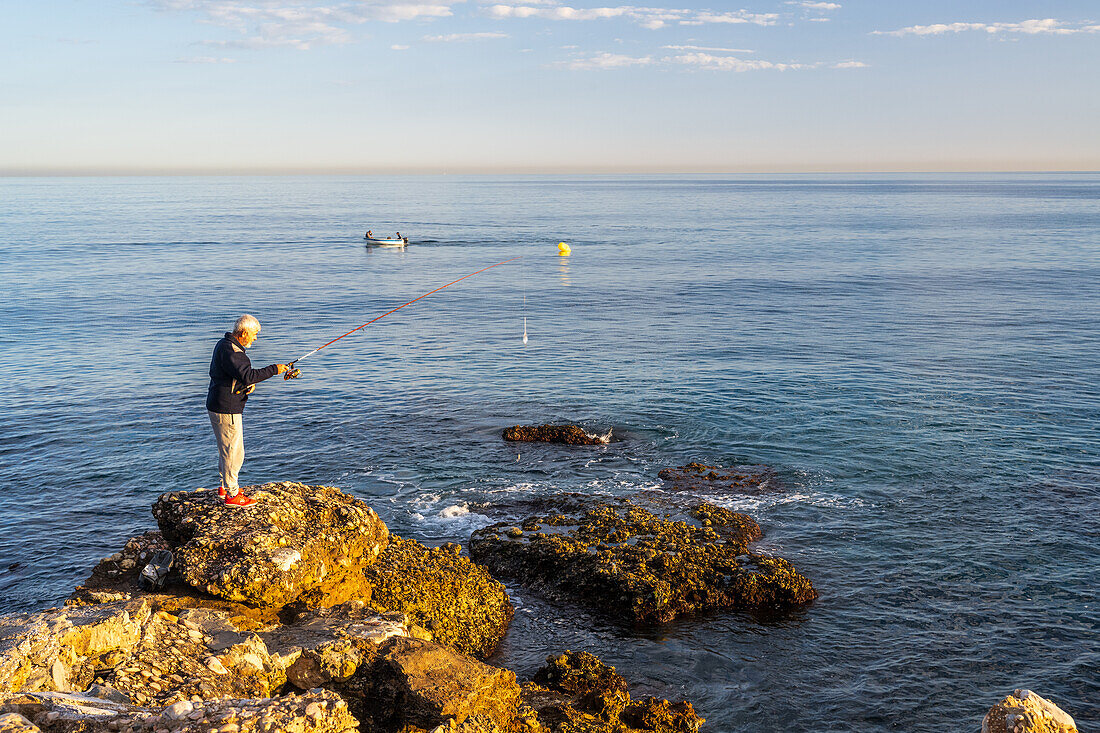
[548, 85]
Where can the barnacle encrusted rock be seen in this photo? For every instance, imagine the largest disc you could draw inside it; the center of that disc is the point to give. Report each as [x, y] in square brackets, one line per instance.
[318, 711]
[567, 434]
[457, 600]
[716, 479]
[633, 564]
[268, 554]
[1026, 712]
[577, 693]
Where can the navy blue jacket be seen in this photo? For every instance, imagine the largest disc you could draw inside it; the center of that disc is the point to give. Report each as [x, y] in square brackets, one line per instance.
[231, 370]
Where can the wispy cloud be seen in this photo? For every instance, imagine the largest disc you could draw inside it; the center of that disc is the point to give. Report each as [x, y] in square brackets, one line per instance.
[206, 60]
[701, 60]
[814, 5]
[399, 47]
[604, 61]
[300, 24]
[453, 37]
[652, 18]
[1043, 26]
[708, 48]
[697, 58]
[740, 16]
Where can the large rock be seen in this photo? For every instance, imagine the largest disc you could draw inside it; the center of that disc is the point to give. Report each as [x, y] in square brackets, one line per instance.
[455, 599]
[638, 566]
[293, 539]
[16, 723]
[417, 685]
[318, 711]
[702, 478]
[566, 434]
[1026, 712]
[131, 654]
[115, 578]
[57, 650]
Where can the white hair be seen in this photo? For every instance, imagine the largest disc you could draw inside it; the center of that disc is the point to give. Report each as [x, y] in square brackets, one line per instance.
[246, 323]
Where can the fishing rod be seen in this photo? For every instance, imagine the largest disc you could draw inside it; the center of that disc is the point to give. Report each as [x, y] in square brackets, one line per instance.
[294, 373]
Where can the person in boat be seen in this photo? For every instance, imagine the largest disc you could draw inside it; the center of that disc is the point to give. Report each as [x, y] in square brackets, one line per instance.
[399, 235]
[232, 379]
[369, 235]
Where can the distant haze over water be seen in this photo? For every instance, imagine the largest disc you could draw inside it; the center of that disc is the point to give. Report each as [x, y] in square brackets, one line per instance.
[918, 357]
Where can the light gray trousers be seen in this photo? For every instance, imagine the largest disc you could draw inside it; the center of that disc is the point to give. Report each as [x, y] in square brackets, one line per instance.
[229, 432]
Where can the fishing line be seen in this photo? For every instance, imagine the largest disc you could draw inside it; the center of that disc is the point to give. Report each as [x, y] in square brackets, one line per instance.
[295, 373]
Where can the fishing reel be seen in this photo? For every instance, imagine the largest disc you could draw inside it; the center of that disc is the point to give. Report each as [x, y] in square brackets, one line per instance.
[292, 373]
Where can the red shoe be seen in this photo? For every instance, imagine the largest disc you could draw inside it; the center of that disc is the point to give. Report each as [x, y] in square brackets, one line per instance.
[239, 500]
[221, 492]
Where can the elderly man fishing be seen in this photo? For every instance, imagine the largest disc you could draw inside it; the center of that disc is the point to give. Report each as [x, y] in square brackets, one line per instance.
[232, 379]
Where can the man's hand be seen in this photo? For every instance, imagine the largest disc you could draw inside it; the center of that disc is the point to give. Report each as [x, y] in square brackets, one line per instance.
[250, 389]
[282, 368]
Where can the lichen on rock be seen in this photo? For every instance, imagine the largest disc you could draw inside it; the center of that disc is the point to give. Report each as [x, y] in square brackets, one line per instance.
[268, 554]
[638, 566]
[565, 434]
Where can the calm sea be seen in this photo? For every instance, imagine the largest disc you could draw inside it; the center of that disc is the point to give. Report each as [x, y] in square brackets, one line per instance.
[917, 356]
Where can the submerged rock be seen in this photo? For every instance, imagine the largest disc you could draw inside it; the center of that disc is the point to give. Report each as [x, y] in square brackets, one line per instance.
[267, 555]
[1026, 712]
[577, 693]
[638, 566]
[455, 599]
[567, 434]
[701, 478]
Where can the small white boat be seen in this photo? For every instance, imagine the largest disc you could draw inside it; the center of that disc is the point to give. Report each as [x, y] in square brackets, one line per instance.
[386, 242]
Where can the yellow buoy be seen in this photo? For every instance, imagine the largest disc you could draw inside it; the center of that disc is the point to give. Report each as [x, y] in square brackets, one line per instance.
[563, 249]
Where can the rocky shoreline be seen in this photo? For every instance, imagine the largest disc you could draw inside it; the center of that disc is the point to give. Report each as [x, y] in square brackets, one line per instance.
[303, 613]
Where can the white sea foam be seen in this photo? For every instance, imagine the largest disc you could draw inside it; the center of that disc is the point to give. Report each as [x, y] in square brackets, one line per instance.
[455, 510]
[763, 502]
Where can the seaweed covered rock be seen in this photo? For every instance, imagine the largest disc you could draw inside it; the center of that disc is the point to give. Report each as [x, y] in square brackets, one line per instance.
[1026, 712]
[457, 600]
[567, 434]
[715, 479]
[577, 693]
[655, 714]
[595, 687]
[318, 711]
[728, 523]
[293, 539]
[417, 685]
[635, 565]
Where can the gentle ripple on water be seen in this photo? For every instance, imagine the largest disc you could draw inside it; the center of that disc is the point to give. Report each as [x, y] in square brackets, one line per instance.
[918, 356]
